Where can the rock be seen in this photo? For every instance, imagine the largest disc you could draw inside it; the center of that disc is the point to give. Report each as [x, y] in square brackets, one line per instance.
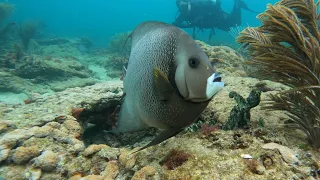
[47, 161]
[109, 153]
[255, 166]
[24, 154]
[5, 126]
[13, 173]
[74, 128]
[60, 136]
[77, 148]
[126, 159]
[287, 154]
[11, 139]
[92, 177]
[54, 125]
[4, 153]
[33, 173]
[144, 173]
[42, 132]
[93, 149]
[303, 172]
[72, 141]
[260, 169]
[111, 171]
[75, 177]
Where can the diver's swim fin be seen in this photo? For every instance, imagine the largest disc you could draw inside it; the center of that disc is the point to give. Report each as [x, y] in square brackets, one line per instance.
[162, 137]
[243, 5]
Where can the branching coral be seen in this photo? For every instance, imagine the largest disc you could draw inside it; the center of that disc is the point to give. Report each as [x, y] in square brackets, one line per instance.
[286, 49]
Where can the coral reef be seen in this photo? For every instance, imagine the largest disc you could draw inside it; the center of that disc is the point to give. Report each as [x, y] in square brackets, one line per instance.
[240, 114]
[285, 48]
[61, 130]
[46, 125]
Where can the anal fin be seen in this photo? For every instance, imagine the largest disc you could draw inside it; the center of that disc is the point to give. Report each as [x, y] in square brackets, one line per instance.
[166, 134]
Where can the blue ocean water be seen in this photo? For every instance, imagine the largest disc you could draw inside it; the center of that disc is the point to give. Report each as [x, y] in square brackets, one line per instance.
[98, 21]
[101, 19]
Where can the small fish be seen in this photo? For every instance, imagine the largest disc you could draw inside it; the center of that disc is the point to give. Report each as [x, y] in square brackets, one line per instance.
[168, 82]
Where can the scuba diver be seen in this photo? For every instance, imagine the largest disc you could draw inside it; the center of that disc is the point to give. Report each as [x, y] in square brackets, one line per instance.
[207, 14]
[191, 12]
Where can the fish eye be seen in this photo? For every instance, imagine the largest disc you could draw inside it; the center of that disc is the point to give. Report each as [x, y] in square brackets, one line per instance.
[194, 62]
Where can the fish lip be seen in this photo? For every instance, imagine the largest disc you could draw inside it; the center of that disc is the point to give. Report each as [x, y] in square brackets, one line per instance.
[215, 78]
[214, 85]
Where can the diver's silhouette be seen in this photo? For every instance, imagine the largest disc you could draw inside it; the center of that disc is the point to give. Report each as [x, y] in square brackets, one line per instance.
[207, 14]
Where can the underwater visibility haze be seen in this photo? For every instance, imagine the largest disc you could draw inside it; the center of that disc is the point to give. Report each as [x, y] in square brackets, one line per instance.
[159, 89]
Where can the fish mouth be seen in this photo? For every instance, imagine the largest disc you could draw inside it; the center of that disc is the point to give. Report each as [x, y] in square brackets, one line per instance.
[216, 77]
[214, 85]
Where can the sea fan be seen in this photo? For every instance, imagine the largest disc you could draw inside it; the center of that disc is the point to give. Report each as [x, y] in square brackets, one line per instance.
[285, 48]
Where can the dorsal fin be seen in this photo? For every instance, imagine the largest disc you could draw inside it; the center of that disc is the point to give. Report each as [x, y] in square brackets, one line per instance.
[145, 27]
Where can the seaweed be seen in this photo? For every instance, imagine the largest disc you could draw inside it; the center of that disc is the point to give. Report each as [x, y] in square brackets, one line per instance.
[240, 114]
[286, 49]
[175, 159]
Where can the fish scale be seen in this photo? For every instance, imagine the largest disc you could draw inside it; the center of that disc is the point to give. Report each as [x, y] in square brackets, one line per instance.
[150, 108]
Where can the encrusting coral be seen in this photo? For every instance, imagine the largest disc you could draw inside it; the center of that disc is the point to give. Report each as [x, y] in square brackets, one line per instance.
[286, 49]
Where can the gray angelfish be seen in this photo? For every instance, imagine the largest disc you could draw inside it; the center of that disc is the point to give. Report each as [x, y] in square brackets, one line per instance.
[169, 81]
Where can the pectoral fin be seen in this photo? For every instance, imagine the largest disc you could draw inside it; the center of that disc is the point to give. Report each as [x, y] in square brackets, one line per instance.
[162, 137]
[162, 86]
